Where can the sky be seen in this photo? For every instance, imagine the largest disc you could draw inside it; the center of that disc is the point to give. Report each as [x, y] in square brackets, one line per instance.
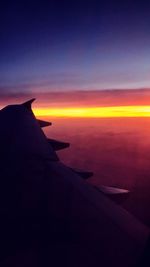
[71, 46]
[84, 53]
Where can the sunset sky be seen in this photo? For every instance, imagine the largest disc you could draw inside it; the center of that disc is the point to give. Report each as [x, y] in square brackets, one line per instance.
[87, 63]
[75, 54]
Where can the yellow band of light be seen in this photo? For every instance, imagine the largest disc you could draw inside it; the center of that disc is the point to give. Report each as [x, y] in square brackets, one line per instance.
[95, 112]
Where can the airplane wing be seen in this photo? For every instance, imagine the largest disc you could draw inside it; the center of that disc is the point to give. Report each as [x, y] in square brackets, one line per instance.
[50, 216]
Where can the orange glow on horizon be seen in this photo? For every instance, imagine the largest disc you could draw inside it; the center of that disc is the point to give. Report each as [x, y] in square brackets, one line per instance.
[94, 112]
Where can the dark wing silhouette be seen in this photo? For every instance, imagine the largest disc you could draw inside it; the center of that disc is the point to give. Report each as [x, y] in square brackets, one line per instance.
[50, 216]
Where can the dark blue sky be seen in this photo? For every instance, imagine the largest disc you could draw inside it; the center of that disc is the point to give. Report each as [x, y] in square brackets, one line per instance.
[74, 45]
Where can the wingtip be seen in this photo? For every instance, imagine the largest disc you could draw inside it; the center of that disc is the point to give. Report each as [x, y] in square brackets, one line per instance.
[28, 103]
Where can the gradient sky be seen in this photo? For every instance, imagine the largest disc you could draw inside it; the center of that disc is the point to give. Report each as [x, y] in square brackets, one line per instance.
[49, 46]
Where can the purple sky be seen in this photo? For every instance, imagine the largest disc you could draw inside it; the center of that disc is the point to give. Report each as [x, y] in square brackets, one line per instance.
[74, 45]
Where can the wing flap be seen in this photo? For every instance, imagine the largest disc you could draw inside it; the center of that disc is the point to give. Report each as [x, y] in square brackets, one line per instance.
[116, 194]
[58, 145]
[84, 174]
[44, 123]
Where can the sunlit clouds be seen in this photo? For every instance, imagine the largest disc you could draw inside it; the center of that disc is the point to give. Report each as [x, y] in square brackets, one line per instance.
[95, 112]
[82, 104]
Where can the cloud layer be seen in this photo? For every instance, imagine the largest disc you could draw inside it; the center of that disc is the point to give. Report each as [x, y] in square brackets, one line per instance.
[90, 98]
